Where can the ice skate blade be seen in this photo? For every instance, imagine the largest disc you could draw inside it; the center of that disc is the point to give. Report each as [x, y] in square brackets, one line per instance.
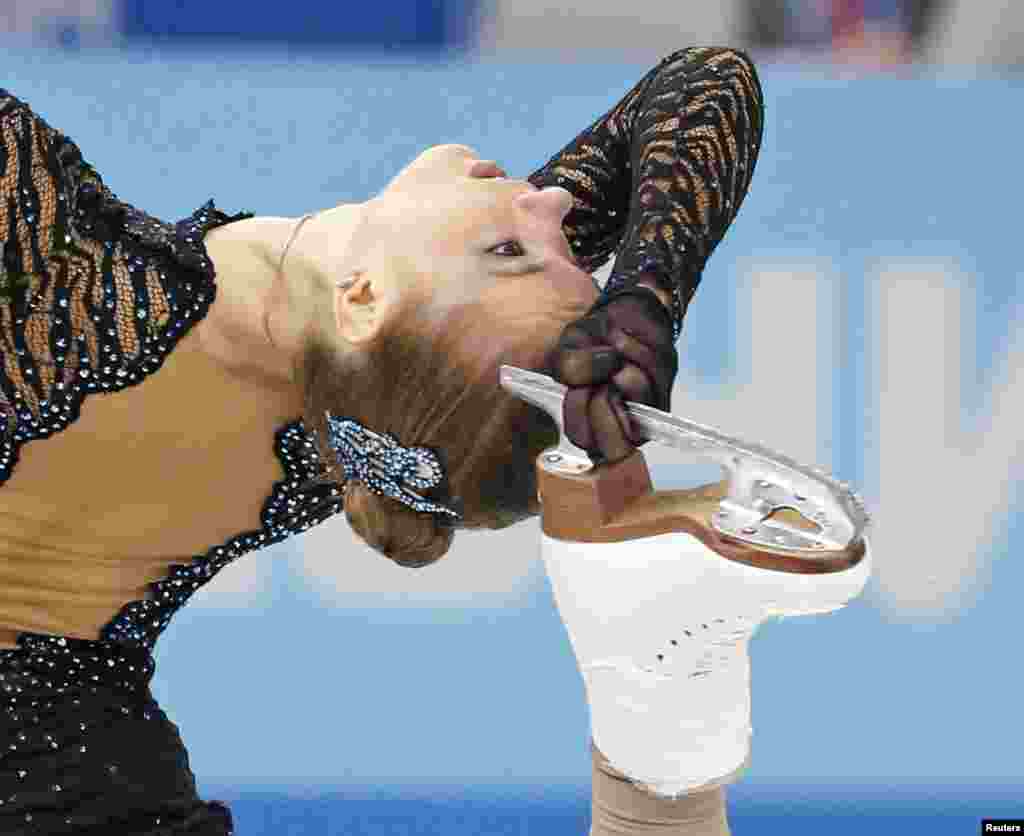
[614, 503]
[771, 511]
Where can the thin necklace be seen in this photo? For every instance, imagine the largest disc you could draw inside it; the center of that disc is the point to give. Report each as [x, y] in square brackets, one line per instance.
[279, 276]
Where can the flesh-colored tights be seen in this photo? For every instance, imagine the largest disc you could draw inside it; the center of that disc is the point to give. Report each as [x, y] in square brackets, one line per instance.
[619, 808]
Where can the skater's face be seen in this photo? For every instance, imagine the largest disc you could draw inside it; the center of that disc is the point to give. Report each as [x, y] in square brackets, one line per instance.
[449, 231]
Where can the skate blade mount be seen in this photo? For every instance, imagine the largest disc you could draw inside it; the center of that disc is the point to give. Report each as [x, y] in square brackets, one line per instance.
[760, 480]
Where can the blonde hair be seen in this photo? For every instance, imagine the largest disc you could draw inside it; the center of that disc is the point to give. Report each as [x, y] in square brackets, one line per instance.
[413, 381]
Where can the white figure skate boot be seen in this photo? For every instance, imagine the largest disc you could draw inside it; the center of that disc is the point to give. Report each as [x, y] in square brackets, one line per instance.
[660, 591]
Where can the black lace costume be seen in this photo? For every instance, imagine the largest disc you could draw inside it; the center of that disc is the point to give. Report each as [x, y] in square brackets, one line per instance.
[94, 294]
[661, 175]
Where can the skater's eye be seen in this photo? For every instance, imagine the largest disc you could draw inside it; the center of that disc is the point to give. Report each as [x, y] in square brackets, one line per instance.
[516, 250]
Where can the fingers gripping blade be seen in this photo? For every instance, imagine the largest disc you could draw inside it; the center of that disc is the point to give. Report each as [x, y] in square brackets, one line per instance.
[549, 395]
[761, 481]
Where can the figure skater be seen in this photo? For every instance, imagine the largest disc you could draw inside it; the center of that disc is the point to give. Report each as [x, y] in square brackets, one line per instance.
[262, 374]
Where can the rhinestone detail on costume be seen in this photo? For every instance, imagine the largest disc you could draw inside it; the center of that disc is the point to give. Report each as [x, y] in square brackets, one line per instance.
[95, 294]
[58, 216]
[283, 515]
[113, 290]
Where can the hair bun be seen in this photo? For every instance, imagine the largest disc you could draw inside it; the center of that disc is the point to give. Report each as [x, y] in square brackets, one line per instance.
[410, 538]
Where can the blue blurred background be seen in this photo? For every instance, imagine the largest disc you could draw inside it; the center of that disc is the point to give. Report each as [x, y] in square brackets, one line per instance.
[863, 312]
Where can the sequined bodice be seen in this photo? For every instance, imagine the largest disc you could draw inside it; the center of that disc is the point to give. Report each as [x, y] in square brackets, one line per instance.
[94, 295]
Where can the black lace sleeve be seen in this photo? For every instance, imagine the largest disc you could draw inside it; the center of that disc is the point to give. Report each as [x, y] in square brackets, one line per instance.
[94, 293]
[661, 175]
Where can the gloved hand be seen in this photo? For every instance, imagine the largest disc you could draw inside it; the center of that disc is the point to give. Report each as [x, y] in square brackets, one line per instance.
[622, 350]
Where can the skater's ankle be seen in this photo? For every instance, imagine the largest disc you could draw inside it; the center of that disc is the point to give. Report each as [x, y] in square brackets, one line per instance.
[620, 806]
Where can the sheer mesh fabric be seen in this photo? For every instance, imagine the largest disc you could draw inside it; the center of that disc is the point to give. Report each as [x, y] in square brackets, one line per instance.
[661, 175]
[93, 292]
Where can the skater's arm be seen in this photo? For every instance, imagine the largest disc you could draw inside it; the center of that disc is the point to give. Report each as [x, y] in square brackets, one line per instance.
[661, 176]
[84, 275]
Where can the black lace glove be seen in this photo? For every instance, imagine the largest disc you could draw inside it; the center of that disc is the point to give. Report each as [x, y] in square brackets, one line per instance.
[622, 350]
